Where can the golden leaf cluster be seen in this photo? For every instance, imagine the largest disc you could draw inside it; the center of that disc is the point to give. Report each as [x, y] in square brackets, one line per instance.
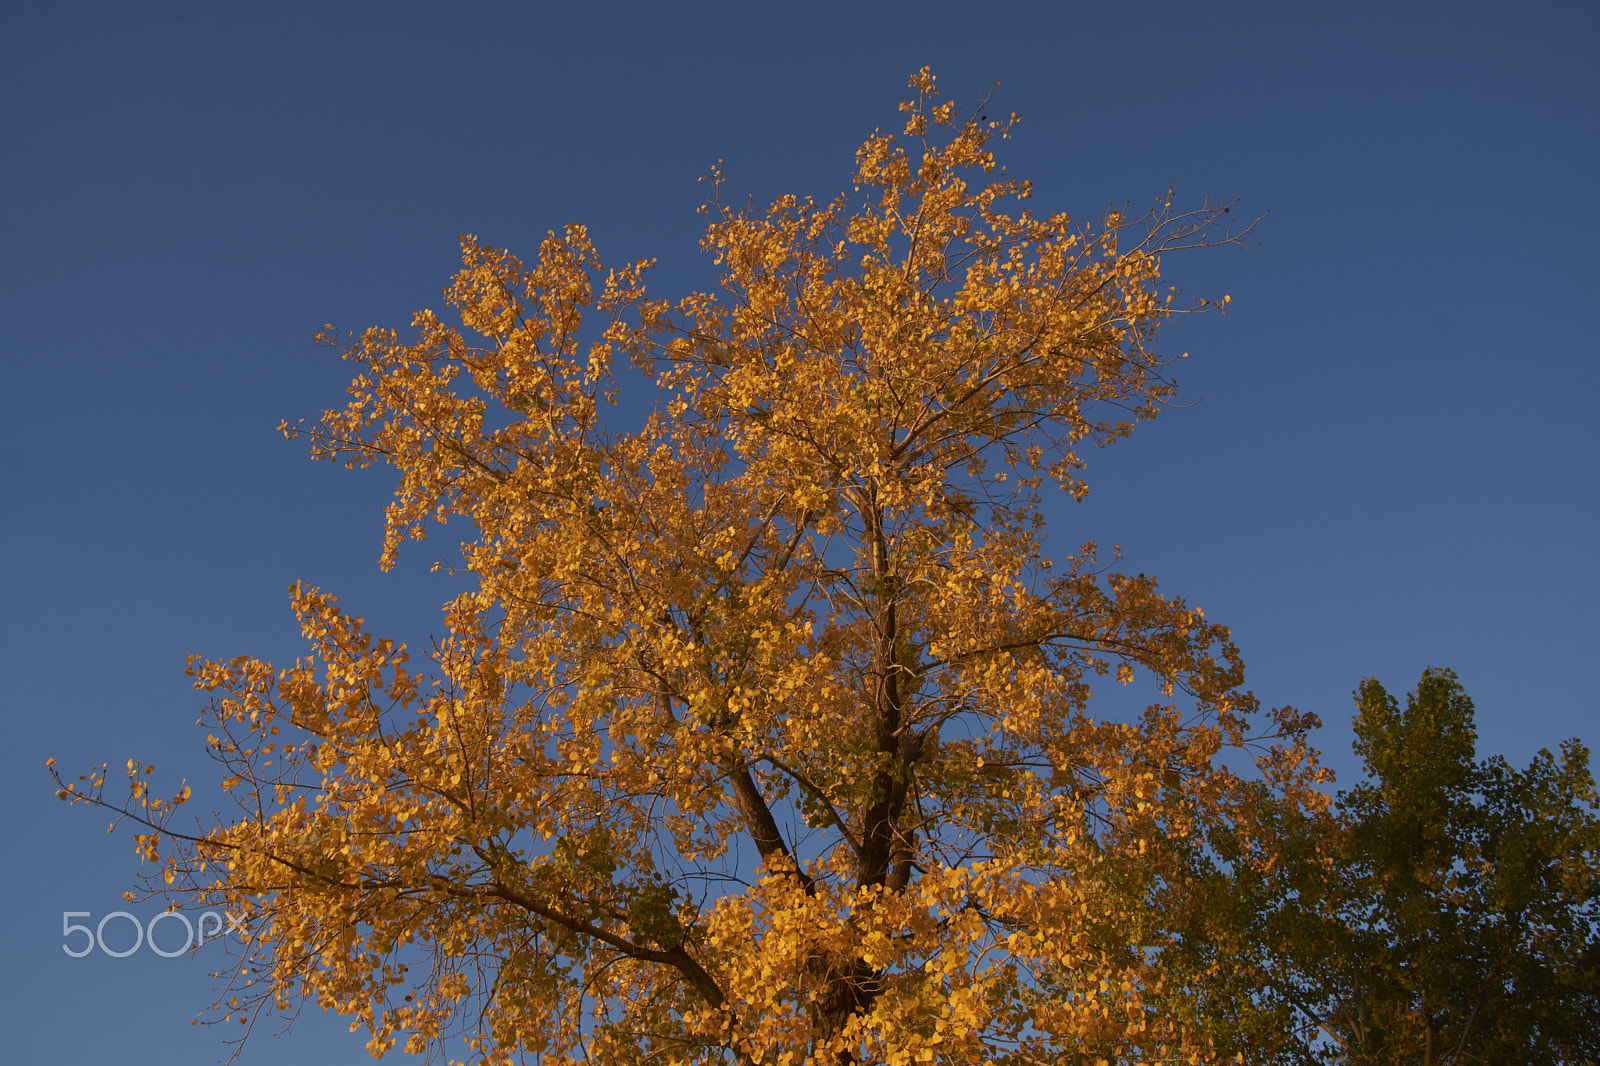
[761, 730]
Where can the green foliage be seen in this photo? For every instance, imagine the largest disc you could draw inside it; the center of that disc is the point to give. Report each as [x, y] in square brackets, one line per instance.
[1445, 911]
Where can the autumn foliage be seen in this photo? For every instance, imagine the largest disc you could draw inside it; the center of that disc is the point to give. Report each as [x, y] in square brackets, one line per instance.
[763, 727]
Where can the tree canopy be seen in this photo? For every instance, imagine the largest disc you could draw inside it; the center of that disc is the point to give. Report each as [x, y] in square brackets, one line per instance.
[1446, 911]
[763, 729]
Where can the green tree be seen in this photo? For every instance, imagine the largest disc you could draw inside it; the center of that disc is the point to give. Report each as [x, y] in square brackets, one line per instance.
[1444, 912]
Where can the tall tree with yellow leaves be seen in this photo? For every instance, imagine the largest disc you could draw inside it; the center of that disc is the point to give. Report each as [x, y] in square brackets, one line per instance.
[761, 731]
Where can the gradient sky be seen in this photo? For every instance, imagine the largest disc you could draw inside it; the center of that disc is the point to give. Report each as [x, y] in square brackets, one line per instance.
[1391, 464]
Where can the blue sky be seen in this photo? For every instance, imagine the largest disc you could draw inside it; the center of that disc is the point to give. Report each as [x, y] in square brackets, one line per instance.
[1391, 464]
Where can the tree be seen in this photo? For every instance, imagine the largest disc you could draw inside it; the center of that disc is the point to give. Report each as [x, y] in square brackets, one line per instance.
[761, 730]
[1446, 912]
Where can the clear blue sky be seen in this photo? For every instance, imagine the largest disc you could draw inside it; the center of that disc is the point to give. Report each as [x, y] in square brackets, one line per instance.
[1392, 464]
